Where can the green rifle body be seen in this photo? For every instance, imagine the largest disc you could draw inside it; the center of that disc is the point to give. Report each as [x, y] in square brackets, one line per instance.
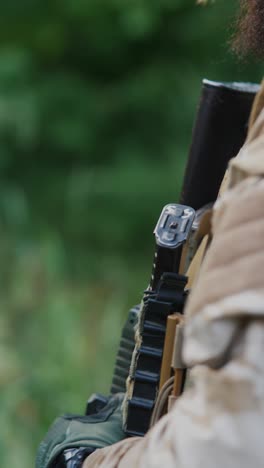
[125, 350]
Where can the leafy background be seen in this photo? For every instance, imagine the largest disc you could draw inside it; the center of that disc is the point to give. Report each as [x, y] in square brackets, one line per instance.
[97, 100]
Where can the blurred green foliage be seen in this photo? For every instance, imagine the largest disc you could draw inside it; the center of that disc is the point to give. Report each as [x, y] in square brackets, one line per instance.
[97, 99]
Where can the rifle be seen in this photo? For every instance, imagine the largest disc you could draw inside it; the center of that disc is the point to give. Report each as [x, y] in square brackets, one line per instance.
[219, 132]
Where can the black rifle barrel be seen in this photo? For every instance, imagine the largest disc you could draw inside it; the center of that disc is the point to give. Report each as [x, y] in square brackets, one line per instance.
[219, 132]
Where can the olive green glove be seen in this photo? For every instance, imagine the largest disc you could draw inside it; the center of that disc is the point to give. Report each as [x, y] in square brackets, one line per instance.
[72, 431]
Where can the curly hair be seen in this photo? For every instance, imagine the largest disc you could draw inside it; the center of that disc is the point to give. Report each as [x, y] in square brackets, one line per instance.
[248, 38]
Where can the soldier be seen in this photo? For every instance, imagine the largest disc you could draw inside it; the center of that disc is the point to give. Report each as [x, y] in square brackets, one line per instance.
[219, 420]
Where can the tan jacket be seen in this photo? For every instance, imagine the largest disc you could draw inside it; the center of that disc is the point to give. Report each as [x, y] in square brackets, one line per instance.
[219, 421]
